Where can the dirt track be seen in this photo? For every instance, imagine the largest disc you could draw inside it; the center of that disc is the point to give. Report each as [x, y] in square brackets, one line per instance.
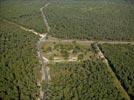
[90, 41]
[45, 69]
[44, 61]
[115, 79]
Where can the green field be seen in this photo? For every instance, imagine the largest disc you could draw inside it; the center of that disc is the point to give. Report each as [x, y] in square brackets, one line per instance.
[121, 58]
[87, 80]
[19, 65]
[92, 19]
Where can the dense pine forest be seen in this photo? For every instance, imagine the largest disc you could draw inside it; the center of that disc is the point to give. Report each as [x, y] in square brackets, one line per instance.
[88, 19]
[88, 80]
[121, 59]
[19, 64]
[92, 19]
[81, 71]
[24, 12]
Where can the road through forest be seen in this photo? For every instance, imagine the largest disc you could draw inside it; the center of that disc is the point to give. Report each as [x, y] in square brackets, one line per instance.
[44, 61]
[115, 79]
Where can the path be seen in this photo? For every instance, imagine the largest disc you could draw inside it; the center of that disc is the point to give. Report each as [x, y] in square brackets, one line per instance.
[115, 79]
[24, 28]
[44, 71]
[45, 18]
[53, 39]
[44, 61]
[69, 40]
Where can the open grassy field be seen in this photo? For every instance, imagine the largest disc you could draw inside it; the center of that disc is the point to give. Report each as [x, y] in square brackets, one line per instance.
[121, 59]
[92, 19]
[19, 66]
[67, 51]
[24, 12]
[86, 80]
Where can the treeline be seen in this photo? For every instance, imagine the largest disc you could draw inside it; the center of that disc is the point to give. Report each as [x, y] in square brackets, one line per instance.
[109, 20]
[19, 65]
[88, 80]
[121, 60]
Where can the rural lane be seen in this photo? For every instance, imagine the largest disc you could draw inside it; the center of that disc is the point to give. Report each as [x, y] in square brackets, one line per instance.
[44, 61]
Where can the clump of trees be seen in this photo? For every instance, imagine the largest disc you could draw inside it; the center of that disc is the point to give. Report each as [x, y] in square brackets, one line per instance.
[121, 59]
[66, 50]
[80, 57]
[19, 65]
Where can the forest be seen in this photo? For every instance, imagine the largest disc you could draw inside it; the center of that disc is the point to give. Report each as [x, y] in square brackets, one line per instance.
[19, 65]
[92, 19]
[87, 19]
[24, 12]
[121, 59]
[86, 80]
